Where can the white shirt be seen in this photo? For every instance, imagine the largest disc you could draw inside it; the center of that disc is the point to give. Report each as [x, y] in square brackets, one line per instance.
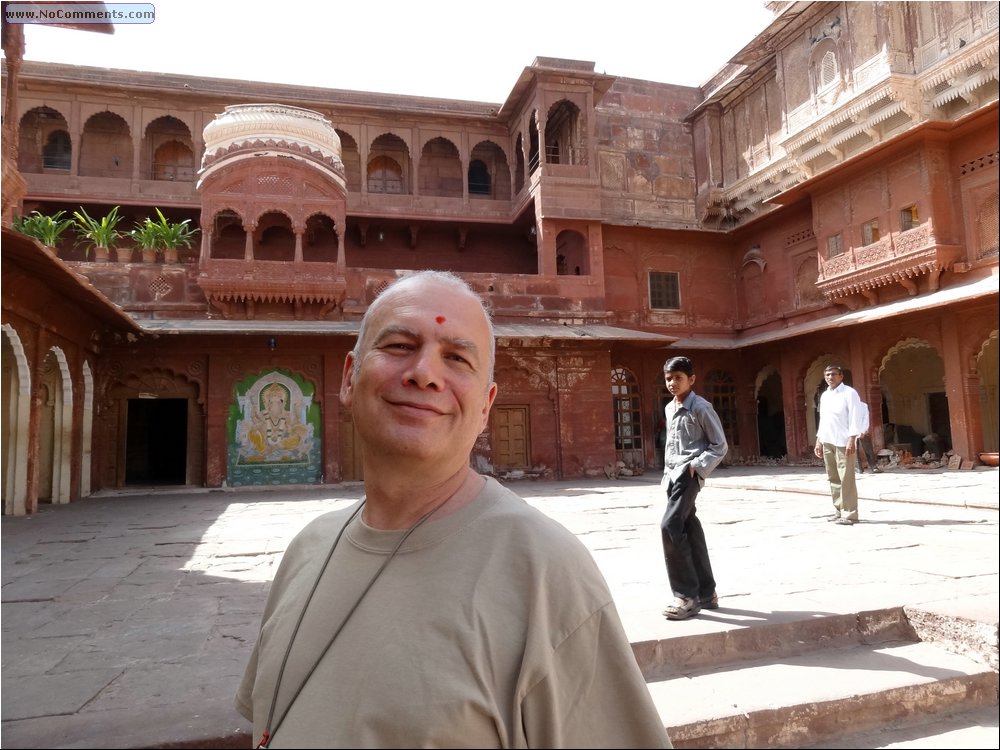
[865, 419]
[840, 415]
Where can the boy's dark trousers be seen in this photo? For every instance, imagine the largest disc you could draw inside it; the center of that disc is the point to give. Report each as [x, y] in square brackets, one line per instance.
[685, 551]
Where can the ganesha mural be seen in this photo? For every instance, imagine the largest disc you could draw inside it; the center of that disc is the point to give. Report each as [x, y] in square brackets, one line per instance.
[273, 431]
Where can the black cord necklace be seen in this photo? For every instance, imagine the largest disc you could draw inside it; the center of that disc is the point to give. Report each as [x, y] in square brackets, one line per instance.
[266, 735]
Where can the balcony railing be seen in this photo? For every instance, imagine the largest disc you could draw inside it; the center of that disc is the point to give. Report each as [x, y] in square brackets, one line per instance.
[896, 259]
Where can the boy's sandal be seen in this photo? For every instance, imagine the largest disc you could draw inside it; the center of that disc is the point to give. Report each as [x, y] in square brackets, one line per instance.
[681, 609]
[711, 602]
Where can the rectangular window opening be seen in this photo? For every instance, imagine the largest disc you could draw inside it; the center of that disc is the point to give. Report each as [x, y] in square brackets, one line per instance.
[834, 246]
[664, 290]
[869, 232]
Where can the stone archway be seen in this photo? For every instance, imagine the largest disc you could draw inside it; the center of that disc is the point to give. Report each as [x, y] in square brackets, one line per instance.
[16, 405]
[55, 429]
[912, 378]
[986, 365]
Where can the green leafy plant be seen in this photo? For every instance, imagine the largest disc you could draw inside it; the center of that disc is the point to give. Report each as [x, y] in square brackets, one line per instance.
[145, 235]
[44, 228]
[173, 234]
[97, 233]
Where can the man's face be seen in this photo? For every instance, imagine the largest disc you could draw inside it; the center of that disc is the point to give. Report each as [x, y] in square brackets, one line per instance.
[833, 378]
[678, 383]
[422, 388]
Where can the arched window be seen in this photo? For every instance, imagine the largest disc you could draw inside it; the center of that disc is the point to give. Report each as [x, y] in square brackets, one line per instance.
[173, 160]
[627, 408]
[385, 176]
[562, 137]
[479, 178]
[57, 151]
[824, 66]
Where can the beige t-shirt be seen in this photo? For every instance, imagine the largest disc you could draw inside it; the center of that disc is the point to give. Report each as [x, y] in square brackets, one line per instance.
[491, 627]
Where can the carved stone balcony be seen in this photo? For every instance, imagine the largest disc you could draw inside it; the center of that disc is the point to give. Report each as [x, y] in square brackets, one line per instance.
[248, 290]
[855, 276]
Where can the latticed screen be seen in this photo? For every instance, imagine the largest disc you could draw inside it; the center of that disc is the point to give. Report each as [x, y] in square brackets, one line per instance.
[627, 408]
[722, 394]
[869, 232]
[664, 291]
[828, 69]
[988, 226]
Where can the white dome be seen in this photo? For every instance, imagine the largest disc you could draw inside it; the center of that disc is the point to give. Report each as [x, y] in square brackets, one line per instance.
[254, 125]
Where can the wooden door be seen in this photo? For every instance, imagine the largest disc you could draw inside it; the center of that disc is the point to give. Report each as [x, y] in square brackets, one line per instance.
[510, 437]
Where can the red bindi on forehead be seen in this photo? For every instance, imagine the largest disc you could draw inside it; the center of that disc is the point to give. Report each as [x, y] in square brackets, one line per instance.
[440, 319]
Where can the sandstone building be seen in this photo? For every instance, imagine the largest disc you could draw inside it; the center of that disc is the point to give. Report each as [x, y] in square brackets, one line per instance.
[831, 195]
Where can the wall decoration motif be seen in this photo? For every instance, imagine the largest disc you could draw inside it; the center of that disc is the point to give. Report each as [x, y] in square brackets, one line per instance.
[273, 431]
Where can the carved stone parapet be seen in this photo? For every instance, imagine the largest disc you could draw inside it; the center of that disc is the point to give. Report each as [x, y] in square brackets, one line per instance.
[235, 288]
[872, 254]
[884, 263]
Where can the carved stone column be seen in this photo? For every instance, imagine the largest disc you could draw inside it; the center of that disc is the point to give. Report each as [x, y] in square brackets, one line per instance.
[14, 185]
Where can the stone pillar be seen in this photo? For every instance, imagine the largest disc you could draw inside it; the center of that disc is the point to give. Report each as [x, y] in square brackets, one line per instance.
[298, 230]
[797, 438]
[248, 247]
[206, 245]
[14, 185]
[963, 401]
[136, 150]
[215, 410]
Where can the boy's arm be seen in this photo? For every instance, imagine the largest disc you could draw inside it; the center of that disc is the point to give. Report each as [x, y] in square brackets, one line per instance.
[717, 447]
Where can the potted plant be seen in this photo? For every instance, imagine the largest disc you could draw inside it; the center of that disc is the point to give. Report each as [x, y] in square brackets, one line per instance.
[146, 236]
[173, 235]
[46, 229]
[98, 235]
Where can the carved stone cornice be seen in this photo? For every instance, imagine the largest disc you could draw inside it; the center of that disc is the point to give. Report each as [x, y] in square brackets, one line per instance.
[885, 105]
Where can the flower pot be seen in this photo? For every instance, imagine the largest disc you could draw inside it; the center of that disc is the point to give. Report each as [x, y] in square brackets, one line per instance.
[124, 254]
[148, 255]
[170, 255]
[101, 254]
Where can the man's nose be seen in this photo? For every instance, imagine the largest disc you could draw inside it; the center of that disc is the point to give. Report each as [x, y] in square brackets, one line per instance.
[424, 369]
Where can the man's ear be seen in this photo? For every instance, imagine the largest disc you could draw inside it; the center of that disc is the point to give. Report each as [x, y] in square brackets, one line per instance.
[491, 395]
[347, 380]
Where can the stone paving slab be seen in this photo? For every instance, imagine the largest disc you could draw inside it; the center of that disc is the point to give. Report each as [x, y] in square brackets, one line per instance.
[134, 601]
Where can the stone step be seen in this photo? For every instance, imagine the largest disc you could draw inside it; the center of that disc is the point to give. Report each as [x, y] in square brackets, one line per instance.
[667, 656]
[818, 680]
[975, 729]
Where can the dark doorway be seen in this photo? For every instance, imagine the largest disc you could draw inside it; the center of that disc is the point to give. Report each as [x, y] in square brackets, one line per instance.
[156, 441]
[937, 404]
[771, 418]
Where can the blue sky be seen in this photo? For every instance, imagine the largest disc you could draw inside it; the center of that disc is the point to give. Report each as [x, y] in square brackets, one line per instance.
[437, 48]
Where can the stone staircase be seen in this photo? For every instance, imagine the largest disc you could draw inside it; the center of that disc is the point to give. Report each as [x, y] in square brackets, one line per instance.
[825, 680]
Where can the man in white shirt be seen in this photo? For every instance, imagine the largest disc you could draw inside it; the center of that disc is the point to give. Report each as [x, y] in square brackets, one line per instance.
[840, 426]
